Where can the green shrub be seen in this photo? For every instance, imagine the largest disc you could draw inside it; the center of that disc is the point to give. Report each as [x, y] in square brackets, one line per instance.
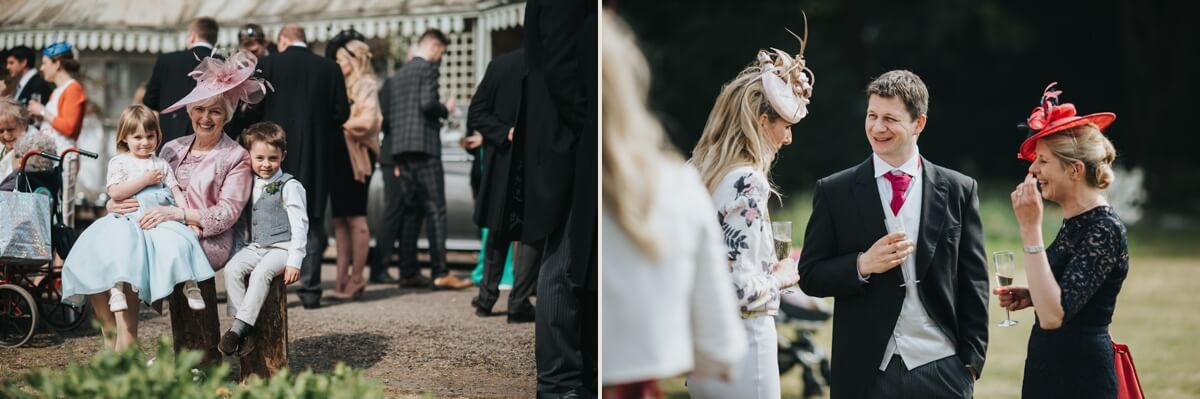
[125, 375]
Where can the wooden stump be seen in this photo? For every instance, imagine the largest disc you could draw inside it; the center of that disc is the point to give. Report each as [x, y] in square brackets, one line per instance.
[270, 335]
[198, 330]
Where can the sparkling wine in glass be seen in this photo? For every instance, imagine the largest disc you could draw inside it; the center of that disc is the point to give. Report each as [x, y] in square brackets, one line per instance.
[781, 235]
[1005, 267]
[893, 225]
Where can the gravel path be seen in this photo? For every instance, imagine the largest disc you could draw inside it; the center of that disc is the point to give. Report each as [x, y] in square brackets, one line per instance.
[415, 342]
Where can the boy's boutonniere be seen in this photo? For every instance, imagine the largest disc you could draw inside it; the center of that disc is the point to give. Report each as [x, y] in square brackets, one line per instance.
[273, 187]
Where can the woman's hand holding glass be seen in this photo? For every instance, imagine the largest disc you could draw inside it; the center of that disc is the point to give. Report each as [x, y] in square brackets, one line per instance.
[785, 271]
[1013, 297]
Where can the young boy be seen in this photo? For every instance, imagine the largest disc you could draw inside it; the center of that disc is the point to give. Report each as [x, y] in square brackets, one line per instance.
[275, 224]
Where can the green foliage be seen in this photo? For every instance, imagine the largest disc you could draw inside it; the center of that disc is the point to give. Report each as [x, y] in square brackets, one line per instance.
[125, 375]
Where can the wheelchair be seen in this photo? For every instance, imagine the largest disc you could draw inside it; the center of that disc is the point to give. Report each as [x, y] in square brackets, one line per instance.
[31, 291]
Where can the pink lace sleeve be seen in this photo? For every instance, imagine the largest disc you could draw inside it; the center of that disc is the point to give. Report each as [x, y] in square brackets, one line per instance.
[232, 197]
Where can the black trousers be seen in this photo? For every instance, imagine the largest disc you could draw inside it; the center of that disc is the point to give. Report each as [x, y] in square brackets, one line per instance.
[310, 271]
[525, 272]
[565, 326]
[943, 378]
[394, 220]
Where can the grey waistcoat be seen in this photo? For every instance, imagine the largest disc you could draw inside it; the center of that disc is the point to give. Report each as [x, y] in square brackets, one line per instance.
[268, 217]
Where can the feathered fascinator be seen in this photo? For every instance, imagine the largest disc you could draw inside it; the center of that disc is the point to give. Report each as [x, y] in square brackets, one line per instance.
[231, 78]
[1051, 117]
[787, 82]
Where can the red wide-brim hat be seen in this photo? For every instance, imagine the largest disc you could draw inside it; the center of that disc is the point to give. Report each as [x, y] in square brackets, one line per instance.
[1051, 117]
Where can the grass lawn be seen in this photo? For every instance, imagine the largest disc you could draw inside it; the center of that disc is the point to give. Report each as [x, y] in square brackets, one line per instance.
[1158, 310]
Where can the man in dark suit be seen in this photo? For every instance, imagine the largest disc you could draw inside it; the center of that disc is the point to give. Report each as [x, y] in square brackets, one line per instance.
[310, 104]
[557, 140]
[413, 117]
[20, 64]
[910, 320]
[493, 114]
[169, 80]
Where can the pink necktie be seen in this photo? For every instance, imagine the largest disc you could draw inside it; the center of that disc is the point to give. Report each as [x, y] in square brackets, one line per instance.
[899, 182]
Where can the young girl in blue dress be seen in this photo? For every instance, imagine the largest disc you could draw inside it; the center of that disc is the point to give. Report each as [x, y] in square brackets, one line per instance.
[114, 256]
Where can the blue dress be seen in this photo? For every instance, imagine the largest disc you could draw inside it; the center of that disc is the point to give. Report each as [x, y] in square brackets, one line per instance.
[114, 249]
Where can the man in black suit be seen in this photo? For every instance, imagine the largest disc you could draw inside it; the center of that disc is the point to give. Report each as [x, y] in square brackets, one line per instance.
[169, 80]
[412, 116]
[20, 64]
[493, 114]
[910, 321]
[310, 104]
[557, 140]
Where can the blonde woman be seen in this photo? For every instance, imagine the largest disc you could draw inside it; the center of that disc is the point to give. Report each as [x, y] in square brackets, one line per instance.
[361, 133]
[669, 306]
[1073, 283]
[751, 120]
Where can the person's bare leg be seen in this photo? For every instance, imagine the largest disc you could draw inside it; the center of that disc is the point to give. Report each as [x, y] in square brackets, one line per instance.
[342, 236]
[361, 233]
[127, 322]
[107, 320]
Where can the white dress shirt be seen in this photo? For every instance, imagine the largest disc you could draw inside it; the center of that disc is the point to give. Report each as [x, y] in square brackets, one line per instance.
[916, 338]
[295, 200]
[24, 81]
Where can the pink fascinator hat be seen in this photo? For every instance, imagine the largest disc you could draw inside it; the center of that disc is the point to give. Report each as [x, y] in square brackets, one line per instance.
[786, 80]
[231, 78]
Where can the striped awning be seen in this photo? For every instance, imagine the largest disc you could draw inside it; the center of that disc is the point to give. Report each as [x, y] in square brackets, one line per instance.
[159, 26]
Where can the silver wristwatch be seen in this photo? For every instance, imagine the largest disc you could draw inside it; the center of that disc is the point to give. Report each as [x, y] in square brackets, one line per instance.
[1033, 249]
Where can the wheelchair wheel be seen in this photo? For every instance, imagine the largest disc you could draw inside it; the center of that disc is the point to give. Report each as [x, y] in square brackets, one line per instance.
[58, 315]
[18, 316]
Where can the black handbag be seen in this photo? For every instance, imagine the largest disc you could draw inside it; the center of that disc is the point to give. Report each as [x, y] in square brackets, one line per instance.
[62, 235]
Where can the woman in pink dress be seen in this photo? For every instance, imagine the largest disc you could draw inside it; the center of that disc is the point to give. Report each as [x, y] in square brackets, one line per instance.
[214, 172]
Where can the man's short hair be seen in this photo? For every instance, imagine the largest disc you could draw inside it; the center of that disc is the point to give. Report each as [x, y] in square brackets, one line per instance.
[206, 29]
[435, 35]
[293, 32]
[906, 86]
[23, 53]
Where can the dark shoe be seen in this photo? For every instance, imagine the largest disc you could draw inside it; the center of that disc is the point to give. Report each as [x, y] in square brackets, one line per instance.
[385, 279]
[417, 281]
[311, 304]
[574, 394]
[525, 316]
[229, 343]
[451, 282]
[480, 310]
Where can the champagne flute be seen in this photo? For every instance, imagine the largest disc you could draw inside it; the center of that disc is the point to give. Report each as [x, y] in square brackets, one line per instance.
[781, 235]
[1005, 267]
[893, 225]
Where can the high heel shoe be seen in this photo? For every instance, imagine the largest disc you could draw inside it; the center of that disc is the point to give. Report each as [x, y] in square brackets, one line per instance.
[354, 290]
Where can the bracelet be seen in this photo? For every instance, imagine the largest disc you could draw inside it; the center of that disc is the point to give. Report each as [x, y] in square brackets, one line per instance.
[1033, 249]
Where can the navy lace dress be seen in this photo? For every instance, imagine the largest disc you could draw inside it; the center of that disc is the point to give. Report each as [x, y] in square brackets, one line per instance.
[1090, 260]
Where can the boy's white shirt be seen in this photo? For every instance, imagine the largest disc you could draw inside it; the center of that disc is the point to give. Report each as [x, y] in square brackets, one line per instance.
[295, 201]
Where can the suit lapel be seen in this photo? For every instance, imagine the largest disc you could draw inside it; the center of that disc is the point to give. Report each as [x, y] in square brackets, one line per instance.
[933, 215]
[870, 211]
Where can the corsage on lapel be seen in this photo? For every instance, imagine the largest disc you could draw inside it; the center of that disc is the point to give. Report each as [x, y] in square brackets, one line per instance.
[273, 187]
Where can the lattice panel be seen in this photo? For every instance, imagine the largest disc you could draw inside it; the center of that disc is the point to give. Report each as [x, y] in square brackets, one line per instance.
[458, 68]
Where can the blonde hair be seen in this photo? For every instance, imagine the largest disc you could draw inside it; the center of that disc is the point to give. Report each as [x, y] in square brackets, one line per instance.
[633, 140]
[359, 56]
[1087, 145]
[733, 136]
[132, 117]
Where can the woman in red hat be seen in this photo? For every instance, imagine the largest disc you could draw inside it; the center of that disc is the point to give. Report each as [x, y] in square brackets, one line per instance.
[1073, 283]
